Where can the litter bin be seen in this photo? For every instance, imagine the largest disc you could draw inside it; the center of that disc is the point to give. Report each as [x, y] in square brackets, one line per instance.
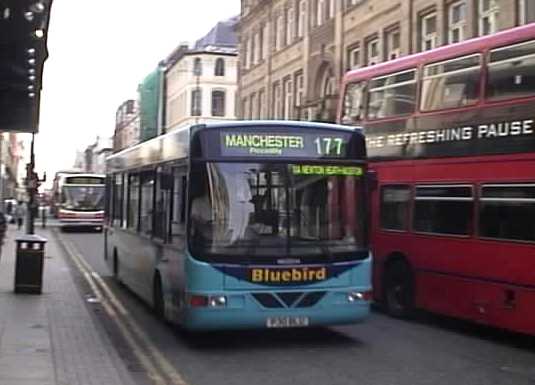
[30, 254]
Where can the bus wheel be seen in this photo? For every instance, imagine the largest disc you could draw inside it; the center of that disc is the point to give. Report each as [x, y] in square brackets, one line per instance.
[399, 289]
[158, 300]
[115, 265]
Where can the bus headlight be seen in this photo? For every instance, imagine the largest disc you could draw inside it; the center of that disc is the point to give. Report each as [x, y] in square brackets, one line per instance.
[217, 301]
[359, 296]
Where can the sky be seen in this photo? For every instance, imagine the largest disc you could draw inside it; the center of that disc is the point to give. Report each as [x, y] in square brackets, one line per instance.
[99, 51]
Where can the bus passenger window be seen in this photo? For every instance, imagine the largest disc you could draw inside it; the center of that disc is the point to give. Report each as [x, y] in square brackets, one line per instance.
[392, 95]
[353, 103]
[133, 202]
[443, 209]
[162, 209]
[507, 212]
[147, 199]
[178, 216]
[395, 207]
[451, 84]
[511, 72]
[117, 199]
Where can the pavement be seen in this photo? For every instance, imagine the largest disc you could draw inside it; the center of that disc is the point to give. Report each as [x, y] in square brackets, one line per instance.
[52, 338]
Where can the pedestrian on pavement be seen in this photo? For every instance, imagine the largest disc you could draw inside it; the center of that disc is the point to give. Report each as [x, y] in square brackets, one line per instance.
[20, 213]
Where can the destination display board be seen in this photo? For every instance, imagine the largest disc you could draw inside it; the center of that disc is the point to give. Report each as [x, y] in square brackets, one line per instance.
[277, 142]
[84, 180]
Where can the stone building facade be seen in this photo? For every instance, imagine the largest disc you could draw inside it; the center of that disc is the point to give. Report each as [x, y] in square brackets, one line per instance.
[201, 81]
[127, 125]
[294, 53]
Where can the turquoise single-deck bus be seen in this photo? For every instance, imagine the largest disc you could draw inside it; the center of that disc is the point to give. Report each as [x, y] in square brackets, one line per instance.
[256, 224]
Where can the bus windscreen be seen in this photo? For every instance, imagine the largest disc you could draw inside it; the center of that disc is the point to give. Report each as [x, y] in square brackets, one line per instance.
[256, 212]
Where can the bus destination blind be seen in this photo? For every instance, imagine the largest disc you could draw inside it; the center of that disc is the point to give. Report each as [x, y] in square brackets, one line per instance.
[292, 145]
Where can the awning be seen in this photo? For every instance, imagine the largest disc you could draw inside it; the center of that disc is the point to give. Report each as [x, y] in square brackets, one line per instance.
[23, 51]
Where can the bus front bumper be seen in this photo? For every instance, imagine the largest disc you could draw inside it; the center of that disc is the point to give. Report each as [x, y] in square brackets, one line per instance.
[243, 311]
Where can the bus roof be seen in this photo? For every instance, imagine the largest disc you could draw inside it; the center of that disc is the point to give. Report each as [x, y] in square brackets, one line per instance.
[466, 47]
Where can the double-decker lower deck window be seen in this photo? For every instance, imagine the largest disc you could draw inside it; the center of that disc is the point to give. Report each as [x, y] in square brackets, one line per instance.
[443, 209]
[511, 72]
[392, 95]
[507, 212]
[450, 84]
[395, 207]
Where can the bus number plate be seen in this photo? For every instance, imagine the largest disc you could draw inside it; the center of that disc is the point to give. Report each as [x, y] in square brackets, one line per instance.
[287, 322]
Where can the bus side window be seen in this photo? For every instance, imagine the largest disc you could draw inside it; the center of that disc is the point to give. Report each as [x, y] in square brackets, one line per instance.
[178, 217]
[163, 203]
[511, 72]
[451, 84]
[395, 203]
[147, 202]
[133, 202]
[392, 95]
[507, 211]
[443, 209]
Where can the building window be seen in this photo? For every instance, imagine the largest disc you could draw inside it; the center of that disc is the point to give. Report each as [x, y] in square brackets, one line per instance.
[372, 51]
[299, 89]
[395, 204]
[443, 209]
[196, 102]
[253, 107]
[392, 43]
[510, 72]
[302, 18]
[488, 17]
[330, 8]
[277, 101]
[451, 84]
[350, 3]
[251, 50]
[261, 104]
[245, 108]
[258, 47]
[218, 103]
[290, 19]
[507, 212]
[279, 27]
[353, 58]
[219, 67]
[428, 31]
[320, 12]
[197, 66]
[288, 92]
[456, 22]
[265, 43]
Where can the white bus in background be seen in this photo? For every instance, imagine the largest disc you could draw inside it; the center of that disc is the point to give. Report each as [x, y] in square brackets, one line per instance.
[81, 200]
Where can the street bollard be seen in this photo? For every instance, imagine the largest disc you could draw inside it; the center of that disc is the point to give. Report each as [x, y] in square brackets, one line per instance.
[30, 254]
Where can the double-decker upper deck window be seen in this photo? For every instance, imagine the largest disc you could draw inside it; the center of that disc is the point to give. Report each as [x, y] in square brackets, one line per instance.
[507, 212]
[443, 209]
[511, 72]
[395, 207]
[392, 95]
[450, 84]
[353, 103]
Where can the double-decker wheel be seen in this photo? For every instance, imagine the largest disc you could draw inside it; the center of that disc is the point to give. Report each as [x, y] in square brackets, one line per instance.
[399, 289]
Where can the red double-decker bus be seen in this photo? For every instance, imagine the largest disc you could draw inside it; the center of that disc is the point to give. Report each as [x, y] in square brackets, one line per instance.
[451, 137]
